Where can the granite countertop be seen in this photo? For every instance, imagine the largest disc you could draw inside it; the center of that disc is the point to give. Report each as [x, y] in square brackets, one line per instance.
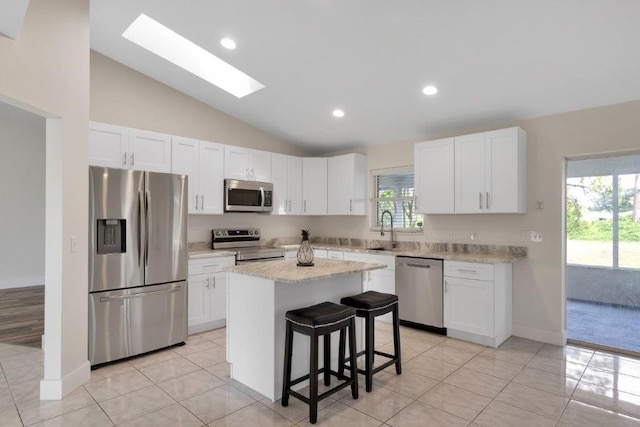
[210, 253]
[286, 271]
[485, 258]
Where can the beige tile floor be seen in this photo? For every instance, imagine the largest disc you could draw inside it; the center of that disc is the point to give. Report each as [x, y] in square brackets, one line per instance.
[445, 382]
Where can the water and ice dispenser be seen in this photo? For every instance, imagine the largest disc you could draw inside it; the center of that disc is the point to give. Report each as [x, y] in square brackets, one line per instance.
[111, 236]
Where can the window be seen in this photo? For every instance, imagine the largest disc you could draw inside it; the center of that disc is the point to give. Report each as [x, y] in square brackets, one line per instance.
[603, 212]
[393, 192]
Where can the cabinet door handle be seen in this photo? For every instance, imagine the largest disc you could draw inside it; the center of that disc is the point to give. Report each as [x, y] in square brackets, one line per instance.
[133, 158]
[202, 201]
[466, 270]
[207, 283]
[480, 199]
[253, 175]
[246, 173]
[350, 205]
[196, 202]
[446, 286]
[487, 200]
[305, 206]
[124, 158]
[214, 282]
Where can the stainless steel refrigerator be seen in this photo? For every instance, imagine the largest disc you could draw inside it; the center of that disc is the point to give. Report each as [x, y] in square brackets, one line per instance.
[137, 262]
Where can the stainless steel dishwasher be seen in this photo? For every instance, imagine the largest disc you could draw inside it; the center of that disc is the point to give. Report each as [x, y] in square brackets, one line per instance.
[419, 290]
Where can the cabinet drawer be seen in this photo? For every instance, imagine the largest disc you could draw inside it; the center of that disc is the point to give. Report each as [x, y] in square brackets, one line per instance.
[210, 265]
[468, 270]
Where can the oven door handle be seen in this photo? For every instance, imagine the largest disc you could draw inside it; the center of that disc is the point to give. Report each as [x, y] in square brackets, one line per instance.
[262, 197]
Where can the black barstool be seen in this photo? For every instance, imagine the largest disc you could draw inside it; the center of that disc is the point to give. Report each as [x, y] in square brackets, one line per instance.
[315, 321]
[369, 305]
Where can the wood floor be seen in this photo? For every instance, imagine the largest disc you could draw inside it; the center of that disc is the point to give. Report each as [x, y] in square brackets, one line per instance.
[22, 316]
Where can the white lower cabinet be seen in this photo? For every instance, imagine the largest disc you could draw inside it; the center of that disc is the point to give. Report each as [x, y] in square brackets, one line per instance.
[477, 302]
[320, 253]
[207, 301]
[383, 280]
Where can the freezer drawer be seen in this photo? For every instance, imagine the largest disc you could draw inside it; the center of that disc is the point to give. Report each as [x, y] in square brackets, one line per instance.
[128, 322]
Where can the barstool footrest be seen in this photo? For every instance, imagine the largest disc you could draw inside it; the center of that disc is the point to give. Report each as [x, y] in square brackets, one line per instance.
[346, 382]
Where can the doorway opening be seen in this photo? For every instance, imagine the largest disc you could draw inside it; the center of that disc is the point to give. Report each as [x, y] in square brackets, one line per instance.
[22, 260]
[603, 252]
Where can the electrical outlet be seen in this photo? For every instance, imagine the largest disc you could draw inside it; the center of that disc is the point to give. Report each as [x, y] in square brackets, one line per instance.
[532, 236]
[539, 206]
[536, 236]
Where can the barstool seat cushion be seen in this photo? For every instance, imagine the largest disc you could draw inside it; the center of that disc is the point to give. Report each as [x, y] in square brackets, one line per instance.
[319, 315]
[370, 300]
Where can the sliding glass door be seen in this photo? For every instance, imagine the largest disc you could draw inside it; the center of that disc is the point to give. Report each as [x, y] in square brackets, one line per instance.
[603, 251]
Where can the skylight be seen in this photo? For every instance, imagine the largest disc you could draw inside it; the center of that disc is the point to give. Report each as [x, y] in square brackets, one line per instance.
[166, 43]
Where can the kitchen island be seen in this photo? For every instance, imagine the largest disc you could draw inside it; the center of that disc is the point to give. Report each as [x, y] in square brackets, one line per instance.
[259, 295]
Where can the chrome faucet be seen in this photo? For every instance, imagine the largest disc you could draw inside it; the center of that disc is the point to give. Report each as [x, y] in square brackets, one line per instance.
[393, 244]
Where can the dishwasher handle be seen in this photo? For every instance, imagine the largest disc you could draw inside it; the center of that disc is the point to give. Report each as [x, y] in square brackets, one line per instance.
[413, 265]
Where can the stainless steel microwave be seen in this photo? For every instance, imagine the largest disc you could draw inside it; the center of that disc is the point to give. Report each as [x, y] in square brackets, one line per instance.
[247, 196]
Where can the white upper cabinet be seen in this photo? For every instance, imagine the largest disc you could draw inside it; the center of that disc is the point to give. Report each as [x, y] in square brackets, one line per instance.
[434, 176]
[480, 173]
[294, 184]
[185, 155]
[108, 145]
[314, 185]
[347, 184]
[286, 176]
[491, 172]
[149, 151]
[470, 173]
[506, 170]
[118, 147]
[260, 165]
[202, 161]
[247, 164]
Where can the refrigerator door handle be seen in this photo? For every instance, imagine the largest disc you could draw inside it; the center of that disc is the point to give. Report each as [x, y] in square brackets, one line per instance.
[140, 207]
[147, 227]
[140, 295]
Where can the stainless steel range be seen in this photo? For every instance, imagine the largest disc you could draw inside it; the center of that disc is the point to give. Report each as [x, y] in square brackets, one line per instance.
[246, 243]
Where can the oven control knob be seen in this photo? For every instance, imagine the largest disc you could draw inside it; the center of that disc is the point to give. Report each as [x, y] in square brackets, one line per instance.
[250, 232]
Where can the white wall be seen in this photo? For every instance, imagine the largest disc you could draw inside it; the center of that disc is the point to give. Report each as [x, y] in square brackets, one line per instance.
[538, 287]
[22, 169]
[46, 70]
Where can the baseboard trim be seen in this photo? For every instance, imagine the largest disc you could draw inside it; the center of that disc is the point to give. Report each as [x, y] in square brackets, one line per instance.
[22, 283]
[542, 335]
[202, 327]
[57, 389]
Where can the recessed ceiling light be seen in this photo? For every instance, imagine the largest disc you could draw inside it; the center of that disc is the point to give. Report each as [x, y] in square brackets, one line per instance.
[338, 113]
[430, 90]
[166, 43]
[228, 43]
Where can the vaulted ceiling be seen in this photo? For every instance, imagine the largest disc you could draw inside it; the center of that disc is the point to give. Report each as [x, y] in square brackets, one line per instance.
[492, 61]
